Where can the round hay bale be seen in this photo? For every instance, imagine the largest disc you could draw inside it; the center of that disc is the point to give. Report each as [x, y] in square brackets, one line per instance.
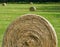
[30, 31]
[4, 4]
[32, 8]
[31, 3]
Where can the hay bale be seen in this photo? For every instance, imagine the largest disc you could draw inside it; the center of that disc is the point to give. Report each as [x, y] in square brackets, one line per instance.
[4, 4]
[31, 3]
[32, 8]
[30, 31]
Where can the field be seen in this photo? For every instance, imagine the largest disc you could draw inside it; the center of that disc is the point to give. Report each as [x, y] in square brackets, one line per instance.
[10, 12]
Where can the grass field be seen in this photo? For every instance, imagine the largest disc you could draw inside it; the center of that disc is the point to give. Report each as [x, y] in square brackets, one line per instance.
[10, 12]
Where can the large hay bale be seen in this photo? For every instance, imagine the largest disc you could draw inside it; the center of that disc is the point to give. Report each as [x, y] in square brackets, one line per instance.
[4, 4]
[30, 31]
[32, 8]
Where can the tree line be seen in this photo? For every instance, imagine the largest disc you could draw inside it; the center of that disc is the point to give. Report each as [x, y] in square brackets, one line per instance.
[29, 1]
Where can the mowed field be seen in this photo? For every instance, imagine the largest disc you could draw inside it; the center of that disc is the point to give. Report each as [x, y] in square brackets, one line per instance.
[12, 11]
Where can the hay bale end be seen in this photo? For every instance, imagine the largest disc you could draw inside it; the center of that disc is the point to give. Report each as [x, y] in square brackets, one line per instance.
[30, 31]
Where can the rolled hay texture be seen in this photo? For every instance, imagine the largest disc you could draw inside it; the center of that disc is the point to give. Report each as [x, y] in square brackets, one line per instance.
[32, 9]
[30, 31]
[4, 4]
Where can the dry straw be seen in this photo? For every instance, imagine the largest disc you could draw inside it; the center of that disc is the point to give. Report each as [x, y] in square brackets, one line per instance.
[30, 31]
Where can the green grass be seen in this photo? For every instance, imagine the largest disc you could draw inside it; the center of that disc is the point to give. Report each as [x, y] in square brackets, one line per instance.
[10, 12]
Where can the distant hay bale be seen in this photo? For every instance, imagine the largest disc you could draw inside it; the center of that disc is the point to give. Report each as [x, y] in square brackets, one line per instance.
[31, 3]
[4, 4]
[30, 31]
[32, 8]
